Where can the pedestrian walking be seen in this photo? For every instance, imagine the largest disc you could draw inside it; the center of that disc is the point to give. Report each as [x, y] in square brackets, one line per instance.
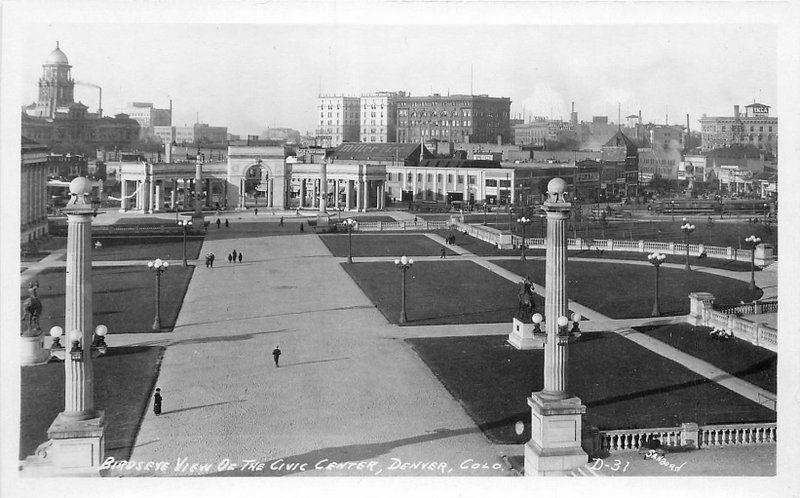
[444, 253]
[218, 223]
[276, 353]
[227, 225]
[255, 211]
[230, 257]
[157, 402]
[208, 261]
[234, 255]
[211, 259]
[240, 257]
[281, 222]
[301, 226]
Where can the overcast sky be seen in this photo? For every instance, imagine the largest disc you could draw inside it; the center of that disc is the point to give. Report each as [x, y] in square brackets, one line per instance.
[248, 77]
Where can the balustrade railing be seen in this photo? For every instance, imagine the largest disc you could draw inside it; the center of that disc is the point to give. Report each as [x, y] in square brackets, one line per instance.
[704, 436]
[727, 435]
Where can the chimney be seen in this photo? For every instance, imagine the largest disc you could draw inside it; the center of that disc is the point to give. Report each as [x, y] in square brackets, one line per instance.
[499, 139]
[640, 116]
[736, 111]
[100, 104]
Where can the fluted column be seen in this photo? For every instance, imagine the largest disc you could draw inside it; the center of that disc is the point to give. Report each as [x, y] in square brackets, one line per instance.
[555, 303]
[347, 199]
[173, 193]
[270, 198]
[198, 186]
[123, 193]
[79, 376]
[323, 187]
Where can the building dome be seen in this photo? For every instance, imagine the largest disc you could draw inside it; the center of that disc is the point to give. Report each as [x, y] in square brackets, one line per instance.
[57, 57]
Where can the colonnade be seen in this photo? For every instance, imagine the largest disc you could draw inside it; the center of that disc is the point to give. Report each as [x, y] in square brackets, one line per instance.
[359, 195]
[151, 195]
[270, 192]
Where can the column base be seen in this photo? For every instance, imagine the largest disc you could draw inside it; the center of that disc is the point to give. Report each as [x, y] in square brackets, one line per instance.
[555, 445]
[523, 337]
[75, 448]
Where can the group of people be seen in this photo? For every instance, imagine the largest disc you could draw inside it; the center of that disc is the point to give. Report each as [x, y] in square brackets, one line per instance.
[450, 239]
[720, 334]
[227, 225]
[234, 256]
[210, 260]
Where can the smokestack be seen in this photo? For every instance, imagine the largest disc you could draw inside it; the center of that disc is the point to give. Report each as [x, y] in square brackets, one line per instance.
[688, 134]
[736, 111]
[640, 116]
[100, 104]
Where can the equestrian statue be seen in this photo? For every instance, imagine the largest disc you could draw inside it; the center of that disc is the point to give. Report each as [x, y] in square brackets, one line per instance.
[33, 310]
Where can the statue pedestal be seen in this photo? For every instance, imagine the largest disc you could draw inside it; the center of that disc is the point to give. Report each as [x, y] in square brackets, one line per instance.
[75, 448]
[522, 336]
[32, 351]
[323, 220]
[555, 445]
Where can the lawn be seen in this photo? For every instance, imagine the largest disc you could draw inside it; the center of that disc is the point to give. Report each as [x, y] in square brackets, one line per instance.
[239, 229]
[620, 290]
[749, 362]
[124, 297]
[376, 245]
[123, 381]
[146, 248]
[439, 293]
[622, 384]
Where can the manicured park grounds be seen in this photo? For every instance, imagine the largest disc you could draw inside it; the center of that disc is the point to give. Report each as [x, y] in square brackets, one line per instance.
[620, 290]
[124, 297]
[389, 245]
[439, 292]
[756, 365]
[622, 385]
[146, 248]
[123, 381]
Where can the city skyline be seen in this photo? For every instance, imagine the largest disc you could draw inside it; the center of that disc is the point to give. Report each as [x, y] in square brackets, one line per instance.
[228, 83]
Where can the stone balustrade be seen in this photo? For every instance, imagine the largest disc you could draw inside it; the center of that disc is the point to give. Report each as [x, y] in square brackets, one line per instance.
[763, 256]
[689, 435]
[393, 226]
[702, 312]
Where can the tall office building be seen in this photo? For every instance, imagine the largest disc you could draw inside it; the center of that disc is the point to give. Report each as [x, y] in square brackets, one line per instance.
[755, 127]
[338, 120]
[379, 116]
[454, 118]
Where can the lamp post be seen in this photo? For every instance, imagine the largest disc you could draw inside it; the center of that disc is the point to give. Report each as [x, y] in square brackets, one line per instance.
[484, 213]
[524, 222]
[541, 224]
[350, 223]
[656, 258]
[159, 267]
[185, 224]
[766, 212]
[687, 229]
[510, 213]
[403, 264]
[672, 210]
[753, 241]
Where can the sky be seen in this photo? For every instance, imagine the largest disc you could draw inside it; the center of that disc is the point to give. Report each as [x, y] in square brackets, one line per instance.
[248, 76]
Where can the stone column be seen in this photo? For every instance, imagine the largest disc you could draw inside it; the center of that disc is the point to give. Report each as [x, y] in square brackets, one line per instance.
[347, 198]
[208, 192]
[302, 191]
[323, 187]
[123, 193]
[151, 191]
[270, 198]
[198, 187]
[363, 194]
[173, 193]
[555, 445]
[159, 196]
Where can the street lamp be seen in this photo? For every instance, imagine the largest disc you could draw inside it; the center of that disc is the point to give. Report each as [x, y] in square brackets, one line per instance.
[185, 224]
[766, 212]
[687, 230]
[403, 264]
[350, 223]
[656, 258]
[159, 267]
[753, 241]
[76, 350]
[541, 224]
[484, 213]
[576, 320]
[672, 210]
[524, 222]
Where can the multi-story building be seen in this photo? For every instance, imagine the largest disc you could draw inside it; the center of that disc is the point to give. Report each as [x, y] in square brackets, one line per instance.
[533, 134]
[755, 127]
[339, 120]
[148, 116]
[206, 134]
[379, 116]
[33, 193]
[454, 118]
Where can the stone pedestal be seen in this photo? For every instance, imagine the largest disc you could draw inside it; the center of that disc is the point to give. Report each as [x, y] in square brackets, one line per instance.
[323, 220]
[555, 445]
[32, 351]
[523, 337]
[75, 449]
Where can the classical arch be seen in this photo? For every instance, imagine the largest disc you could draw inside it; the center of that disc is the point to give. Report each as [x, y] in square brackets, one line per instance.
[255, 184]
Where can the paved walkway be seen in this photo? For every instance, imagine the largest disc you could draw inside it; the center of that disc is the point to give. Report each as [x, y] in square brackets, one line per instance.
[349, 389]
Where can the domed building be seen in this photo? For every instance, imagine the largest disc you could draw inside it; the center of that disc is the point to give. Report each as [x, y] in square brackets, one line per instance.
[56, 86]
[66, 126]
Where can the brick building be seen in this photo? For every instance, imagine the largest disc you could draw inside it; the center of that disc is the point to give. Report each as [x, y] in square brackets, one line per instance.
[755, 127]
[454, 118]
